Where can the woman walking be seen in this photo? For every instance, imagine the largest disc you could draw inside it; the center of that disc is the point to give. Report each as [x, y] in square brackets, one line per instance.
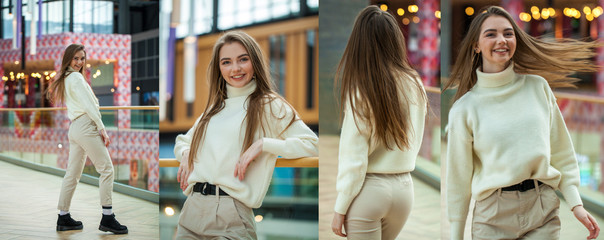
[508, 146]
[384, 105]
[87, 137]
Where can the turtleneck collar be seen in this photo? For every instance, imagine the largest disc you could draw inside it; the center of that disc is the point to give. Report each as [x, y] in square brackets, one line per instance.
[493, 80]
[233, 92]
[70, 69]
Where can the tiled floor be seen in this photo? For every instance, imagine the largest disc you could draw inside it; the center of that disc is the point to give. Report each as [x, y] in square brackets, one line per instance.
[423, 223]
[29, 201]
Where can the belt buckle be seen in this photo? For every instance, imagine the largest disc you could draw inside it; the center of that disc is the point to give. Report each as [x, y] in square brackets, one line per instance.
[205, 189]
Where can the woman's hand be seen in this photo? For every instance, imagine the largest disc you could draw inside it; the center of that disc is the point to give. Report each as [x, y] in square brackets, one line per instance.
[246, 158]
[588, 221]
[105, 137]
[184, 170]
[337, 224]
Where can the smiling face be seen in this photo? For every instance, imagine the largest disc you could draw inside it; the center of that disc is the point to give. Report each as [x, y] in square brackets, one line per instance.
[235, 64]
[78, 61]
[496, 43]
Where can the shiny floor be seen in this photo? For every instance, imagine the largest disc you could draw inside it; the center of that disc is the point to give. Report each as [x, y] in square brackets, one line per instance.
[28, 209]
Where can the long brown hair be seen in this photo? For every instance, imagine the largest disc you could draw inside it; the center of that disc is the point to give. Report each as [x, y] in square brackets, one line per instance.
[372, 72]
[257, 100]
[554, 61]
[56, 91]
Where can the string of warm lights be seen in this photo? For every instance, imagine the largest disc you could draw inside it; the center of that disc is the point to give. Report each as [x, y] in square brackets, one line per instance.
[545, 13]
[412, 9]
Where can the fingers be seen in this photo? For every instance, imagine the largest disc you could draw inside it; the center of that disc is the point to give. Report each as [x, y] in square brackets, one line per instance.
[337, 229]
[595, 230]
[178, 173]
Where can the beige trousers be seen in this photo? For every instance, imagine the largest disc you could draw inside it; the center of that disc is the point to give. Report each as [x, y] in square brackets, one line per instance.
[518, 215]
[381, 208]
[84, 139]
[215, 217]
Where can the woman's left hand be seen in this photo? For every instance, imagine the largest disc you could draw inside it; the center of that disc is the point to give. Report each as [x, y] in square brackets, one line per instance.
[337, 224]
[246, 158]
[588, 221]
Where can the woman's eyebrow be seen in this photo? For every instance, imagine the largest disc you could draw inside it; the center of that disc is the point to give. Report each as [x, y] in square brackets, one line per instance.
[495, 30]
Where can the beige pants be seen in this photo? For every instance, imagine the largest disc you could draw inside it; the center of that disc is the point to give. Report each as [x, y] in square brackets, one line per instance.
[518, 215]
[215, 217]
[381, 208]
[84, 139]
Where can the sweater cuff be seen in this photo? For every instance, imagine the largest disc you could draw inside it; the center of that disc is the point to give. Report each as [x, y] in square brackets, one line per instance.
[457, 229]
[99, 125]
[272, 145]
[179, 154]
[571, 195]
[343, 203]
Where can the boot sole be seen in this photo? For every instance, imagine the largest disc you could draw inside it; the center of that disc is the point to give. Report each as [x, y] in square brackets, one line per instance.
[106, 229]
[68, 228]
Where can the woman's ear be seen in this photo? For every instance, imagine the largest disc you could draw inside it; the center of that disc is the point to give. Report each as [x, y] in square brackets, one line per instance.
[476, 48]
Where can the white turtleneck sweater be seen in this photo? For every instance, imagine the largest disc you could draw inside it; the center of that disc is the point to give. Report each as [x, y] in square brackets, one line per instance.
[80, 99]
[361, 153]
[222, 146]
[506, 129]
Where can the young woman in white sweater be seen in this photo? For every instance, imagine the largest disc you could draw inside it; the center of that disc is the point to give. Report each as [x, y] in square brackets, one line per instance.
[227, 158]
[87, 137]
[384, 106]
[508, 146]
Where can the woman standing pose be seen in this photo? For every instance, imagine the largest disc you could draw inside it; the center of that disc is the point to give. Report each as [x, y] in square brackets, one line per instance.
[87, 137]
[508, 146]
[384, 105]
[227, 158]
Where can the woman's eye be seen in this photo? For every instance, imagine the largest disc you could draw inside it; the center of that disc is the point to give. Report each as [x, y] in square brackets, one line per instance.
[244, 59]
[225, 62]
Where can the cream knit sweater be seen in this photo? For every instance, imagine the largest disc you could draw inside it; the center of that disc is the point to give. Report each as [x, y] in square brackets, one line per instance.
[506, 129]
[360, 153]
[222, 146]
[80, 99]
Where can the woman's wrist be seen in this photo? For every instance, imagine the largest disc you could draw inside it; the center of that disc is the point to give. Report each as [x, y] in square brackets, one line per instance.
[575, 207]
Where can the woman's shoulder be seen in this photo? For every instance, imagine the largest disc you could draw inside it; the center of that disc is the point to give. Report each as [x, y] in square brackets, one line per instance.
[74, 76]
[276, 104]
[538, 84]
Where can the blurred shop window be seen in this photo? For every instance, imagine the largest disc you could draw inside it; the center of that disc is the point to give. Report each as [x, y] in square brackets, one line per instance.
[203, 17]
[89, 16]
[93, 16]
[235, 13]
[277, 61]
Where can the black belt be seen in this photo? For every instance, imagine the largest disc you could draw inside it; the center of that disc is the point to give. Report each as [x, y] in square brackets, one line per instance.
[523, 186]
[207, 189]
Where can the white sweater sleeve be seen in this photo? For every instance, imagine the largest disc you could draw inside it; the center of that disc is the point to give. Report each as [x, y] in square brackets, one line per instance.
[183, 141]
[80, 90]
[352, 161]
[563, 156]
[459, 172]
[294, 142]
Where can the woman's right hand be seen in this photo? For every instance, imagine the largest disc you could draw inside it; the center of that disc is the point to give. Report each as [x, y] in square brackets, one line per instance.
[105, 137]
[337, 224]
[588, 221]
[184, 170]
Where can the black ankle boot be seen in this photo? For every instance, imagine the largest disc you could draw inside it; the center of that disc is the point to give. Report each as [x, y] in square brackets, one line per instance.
[66, 223]
[109, 224]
